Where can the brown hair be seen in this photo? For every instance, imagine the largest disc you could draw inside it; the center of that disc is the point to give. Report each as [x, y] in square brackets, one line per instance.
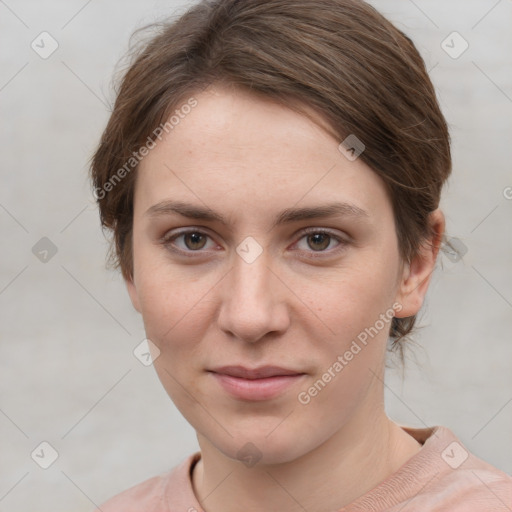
[340, 57]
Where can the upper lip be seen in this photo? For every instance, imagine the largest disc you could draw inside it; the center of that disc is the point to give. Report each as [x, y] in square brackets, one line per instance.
[255, 373]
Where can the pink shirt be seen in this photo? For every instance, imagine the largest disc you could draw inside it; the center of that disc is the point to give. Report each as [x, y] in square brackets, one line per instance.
[442, 477]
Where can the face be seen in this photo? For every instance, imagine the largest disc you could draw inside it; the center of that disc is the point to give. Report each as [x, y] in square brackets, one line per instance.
[270, 315]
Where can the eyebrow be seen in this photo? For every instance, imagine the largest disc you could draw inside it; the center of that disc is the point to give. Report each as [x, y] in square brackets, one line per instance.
[286, 216]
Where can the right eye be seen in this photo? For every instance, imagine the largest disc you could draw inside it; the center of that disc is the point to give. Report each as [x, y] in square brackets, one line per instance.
[193, 240]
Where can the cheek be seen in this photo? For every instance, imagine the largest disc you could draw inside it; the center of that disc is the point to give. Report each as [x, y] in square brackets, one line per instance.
[334, 397]
[175, 320]
[354, 297]
[169, 306]
[169, 294]
[358, 311]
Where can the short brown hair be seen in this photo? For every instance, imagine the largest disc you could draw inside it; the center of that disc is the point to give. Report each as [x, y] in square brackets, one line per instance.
[340, 57]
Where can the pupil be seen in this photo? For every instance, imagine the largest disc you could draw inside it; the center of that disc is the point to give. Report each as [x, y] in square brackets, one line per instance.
[195, 237]
[318, 238]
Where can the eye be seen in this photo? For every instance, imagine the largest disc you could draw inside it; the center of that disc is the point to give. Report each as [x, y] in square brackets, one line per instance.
[318, 240]
[193, 241]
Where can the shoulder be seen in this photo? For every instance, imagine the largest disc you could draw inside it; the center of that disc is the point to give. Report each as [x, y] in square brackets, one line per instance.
[467, 490]
[157, 494]
[147, 496]
[458, 480]
[478, 483]
[444, 476]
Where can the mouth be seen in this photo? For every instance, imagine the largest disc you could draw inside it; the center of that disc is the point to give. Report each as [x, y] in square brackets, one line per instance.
[255, 384]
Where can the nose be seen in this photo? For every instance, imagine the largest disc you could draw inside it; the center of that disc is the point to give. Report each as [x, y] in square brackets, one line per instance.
[253, 301]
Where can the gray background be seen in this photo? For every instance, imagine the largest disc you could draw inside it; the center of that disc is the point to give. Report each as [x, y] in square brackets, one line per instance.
[68, 374]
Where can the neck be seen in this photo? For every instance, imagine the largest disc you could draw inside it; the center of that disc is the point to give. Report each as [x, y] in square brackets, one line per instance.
[350, 463]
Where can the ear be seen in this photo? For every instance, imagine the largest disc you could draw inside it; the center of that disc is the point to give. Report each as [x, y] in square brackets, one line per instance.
[416, 275]
[132, 292]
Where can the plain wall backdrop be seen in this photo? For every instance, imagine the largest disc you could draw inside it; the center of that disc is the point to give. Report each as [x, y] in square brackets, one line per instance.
[68, 373]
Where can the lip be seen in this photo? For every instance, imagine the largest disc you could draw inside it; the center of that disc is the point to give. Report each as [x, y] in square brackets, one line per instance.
[255, 384]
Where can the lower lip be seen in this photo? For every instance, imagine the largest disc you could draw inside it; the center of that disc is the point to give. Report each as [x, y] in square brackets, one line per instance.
[256, 389]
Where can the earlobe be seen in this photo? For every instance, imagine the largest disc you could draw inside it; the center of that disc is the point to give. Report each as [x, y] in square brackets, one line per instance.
[416, 275]
[132, 292]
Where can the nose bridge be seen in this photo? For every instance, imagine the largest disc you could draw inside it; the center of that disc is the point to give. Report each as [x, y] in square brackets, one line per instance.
[251, 271]
[249, 308]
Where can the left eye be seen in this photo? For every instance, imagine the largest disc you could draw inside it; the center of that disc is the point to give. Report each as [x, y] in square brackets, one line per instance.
[318, 241]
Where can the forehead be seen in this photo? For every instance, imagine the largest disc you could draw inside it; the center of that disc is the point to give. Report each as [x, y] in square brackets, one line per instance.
[234, 146]
[235, 123]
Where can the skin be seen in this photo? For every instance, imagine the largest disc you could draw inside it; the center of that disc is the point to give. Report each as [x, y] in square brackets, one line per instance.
[249, 158]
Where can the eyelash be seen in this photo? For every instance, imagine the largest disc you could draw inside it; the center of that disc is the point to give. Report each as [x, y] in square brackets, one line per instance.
[342, 243]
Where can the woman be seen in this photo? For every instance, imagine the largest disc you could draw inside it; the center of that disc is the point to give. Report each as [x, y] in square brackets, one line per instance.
[271, 173]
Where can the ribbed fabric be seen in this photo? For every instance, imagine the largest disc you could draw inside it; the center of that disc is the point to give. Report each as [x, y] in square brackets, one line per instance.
[442, 477]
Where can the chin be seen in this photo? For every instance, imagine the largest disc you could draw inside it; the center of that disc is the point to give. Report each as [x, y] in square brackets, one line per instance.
[258, 447]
